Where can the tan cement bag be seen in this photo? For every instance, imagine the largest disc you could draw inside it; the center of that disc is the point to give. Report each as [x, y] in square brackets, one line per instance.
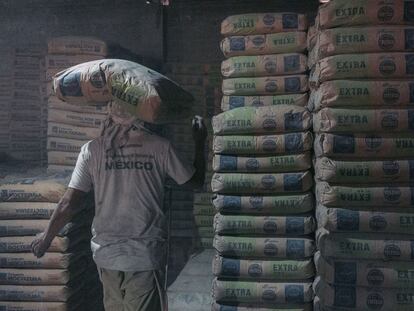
[202, 197]
[59, 293]
[261, 183]
[262, 23]
[76, 118]
[353, 272]
[254, 292]
[62, 158]
[19, 244]
[276, 43]
[364, 146]
[244, 307]
[207, 210]
[264, 65]
[263, 225]
[356, 94]
[277, 164]
[77, 45]
[94, 108]
[60, 169]
[267, 205]
[265, 85]
[48, 261]
[287, 270]
[26, 210]
[344, 172]
[36, 277]
[363, 120]
[364, 246]
[25, 227]
[286, 248]
[232, 102]
[364, 196]
[366, 12]
[261, 120]
[72, 131]
[262, 145]
[35, 306]
[64, 144]
[311, 37]
[203, 220]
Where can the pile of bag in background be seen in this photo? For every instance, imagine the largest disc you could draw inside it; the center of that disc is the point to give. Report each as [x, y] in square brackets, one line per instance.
[262, 159]
[363, 84]
[70, 126]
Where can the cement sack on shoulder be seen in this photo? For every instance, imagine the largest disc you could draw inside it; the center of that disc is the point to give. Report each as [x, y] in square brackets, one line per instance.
[232, 102]
[363, 298]
[261, 183]
[22, 244]
[366, 12]
[364, 195]
[265, 85]
[62, 158]
[35, 293]
[72, 131]
[60, 169]
[364, 146]
[203, 220]
[26, 210]
[369, 246]
[76, 118]
[262, 23]
[207, 210]
[25, 227]
[202, 197]
[354, 272]
[277, 247]
[363, 66]
[35, 306]
[262, 120]
[359, 172]
[276, 43]
[262, 145]
[263, 225]
[77, 45]
[264, 65]
[93, 108]
[65, 144]
[336, 120]
[287, 270]
[255, 292]
[244, 307]
[265, 205]
[36, 276]
[356, 94]
[277, 164]
[311, 37]
[48, 261]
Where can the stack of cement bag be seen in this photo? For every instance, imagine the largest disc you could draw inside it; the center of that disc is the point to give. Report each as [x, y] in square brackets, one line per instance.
[6, 94]
[70, 126]
[261, 163]
[363, 92]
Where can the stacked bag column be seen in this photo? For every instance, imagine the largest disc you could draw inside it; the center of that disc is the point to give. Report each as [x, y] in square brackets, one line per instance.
[262, 158]
[362, 79]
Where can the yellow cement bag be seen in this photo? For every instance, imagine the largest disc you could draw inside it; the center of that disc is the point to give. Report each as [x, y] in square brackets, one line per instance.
[77, 45]
[261, 183]
[76, 118]
[351, 172]
[264, 65]
[25, 227]
[55, 293]
[263, 225]
[286, 248]
[62, 158]
[263, 23]
[265, 85]
[264, 205]
[261, 120]
[72, 131]
[207, 210]
[232, 102]
[364, 146]
[255, 292]
[26, 210]
[19, 244]
[48, 261]
[93, 108]
[261, 145]
[255, 307]
[363, 120]
[364, 195]
[287, 270]
[64, 144]
[36, 276]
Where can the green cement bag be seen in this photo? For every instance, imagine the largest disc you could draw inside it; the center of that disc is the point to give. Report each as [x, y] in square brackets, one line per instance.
[207, 210]
[202, 197]
[26, 210]
[261, 120]
[205, 232]
[255, 307]
[232, 102]
[204, 220]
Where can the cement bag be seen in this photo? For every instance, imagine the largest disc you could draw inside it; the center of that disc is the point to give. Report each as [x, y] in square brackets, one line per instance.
[207, 210]
[264, 65]
[23, 227]
[62, 158]
[287, 270]
[232, 102]
[356, 94]
[93, 108]
[261, 183]
[205, 243]
[262, 23]
[19, 244]
[26, 210]
[60, 169]
[64, 144]
[254, 292]
[77, 45]
[265, 85]
[311, 37]
[363, 66]
[364, 246]
[57, 293]
[263, 225]
[364, 196]
[364, 146]
[276, 43]
[277, 164]
[76, 118]
[48, 261]
[270, 119]
[205, 232]
[36, 276]
[35, 306]
[219, 307]
[364, 120]
[72, 131]
[286, 248]
[366, 12]
[140, 91]
[262, 145]
[203, 221]
[344, 172]
[265, 205]
[202, 197]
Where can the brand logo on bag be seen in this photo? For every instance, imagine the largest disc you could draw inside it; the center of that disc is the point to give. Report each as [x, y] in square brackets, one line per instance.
[257, 103]
[391, 95]
[373, 141]
[258, 40]
[385, 13]
[270, 67]
[268, 20]
[256, 202]
[252, 164]
[387, 67]
[269, 295]
[378, 223]
[255, 270]
[294, 294]
[268, 181]
[392, 251]
[386, 41]
[270, 227]
[269, 124]
[98, 79]
[269, 145]
[270, 249]
[390, 168]
[390, 121]
[231, 267]
[392, 194]
[375, 301]
[375, 277]
[271, 87]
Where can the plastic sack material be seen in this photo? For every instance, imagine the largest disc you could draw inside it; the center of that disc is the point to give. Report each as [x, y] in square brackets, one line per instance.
[232, 102]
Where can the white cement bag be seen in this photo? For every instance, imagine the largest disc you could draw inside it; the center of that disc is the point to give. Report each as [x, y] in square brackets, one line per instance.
[36, 276]
[62, 158]
[72, 131]
[64, 144]
[77, 45]
[48, 261]
[255, 307]
[22, 244]
[26, 210]
[76, 118]
[24, 227]
[56, 293]
[232, 102]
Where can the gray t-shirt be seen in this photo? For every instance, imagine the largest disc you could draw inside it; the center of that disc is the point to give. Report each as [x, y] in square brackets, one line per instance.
[129, 231]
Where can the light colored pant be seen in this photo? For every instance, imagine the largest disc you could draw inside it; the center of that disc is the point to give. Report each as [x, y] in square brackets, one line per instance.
[133, 291]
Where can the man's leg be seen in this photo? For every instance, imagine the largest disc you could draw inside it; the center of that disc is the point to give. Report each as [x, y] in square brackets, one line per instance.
[112, 289]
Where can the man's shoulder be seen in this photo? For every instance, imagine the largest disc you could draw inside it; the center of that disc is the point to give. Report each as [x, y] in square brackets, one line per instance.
[91, 145]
